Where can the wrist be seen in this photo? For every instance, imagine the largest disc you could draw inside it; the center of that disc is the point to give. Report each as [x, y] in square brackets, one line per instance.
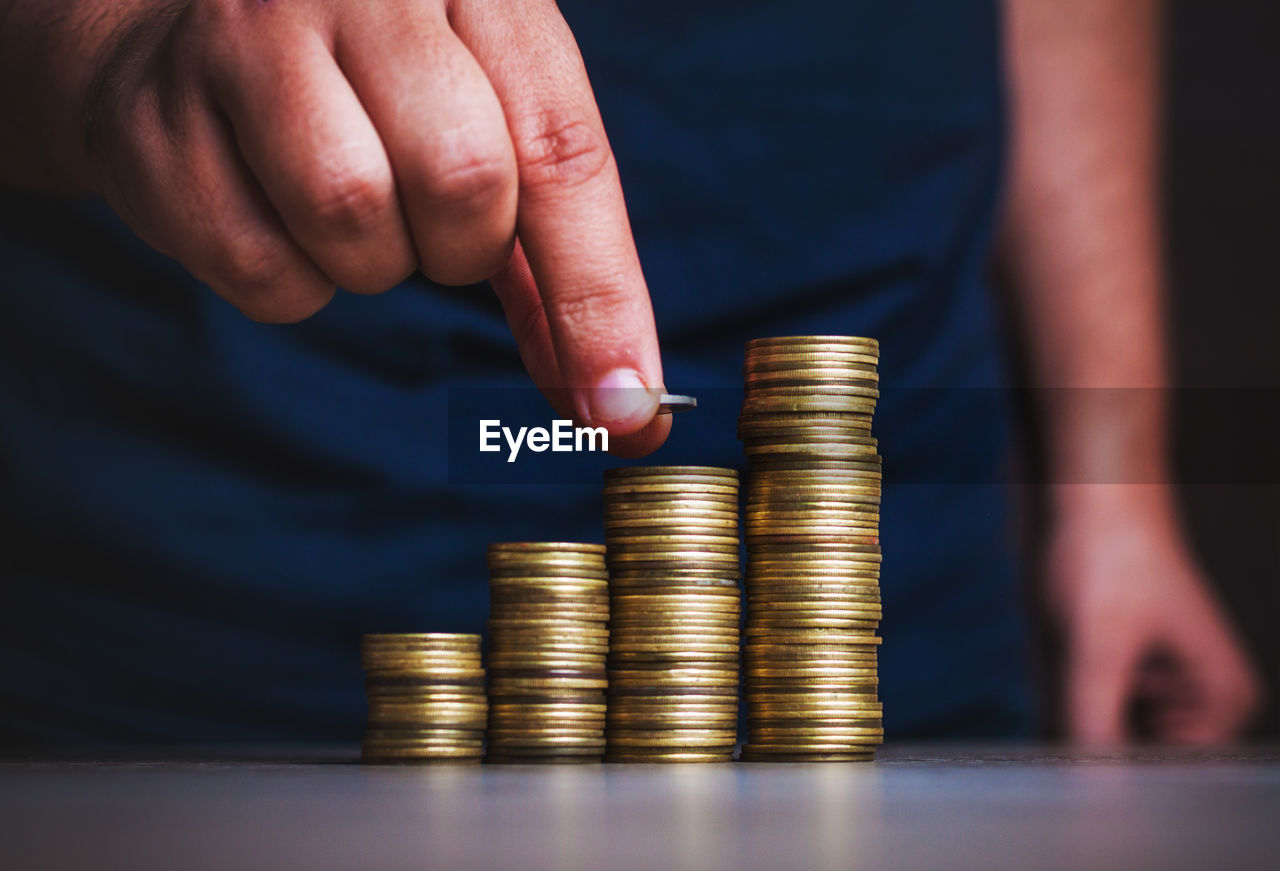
[1092, 511]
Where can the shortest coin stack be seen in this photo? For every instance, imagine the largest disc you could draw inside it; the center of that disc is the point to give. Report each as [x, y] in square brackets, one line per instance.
[548, 637]
[672, 533]
[426, 698]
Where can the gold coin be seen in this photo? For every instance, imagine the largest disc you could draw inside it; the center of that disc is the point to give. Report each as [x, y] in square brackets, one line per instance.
[567, 711]
[718, 596]
[866, 497]
[841, 734]
[529, 684]
[682, 657]
[668, 638]
[624, 708]
[831, 514]
[810, 471]
[815, 635]
[783, 621]
[724, 741]
[669, 475]
[705, 557]
[847, 494]
[547, 662]
[686, 603]
[564, 564]
[811, 591]
[673, 736]
[807, 403]
[644, 586]
[797, 357]
[566, 644]
[701, 489]
[667, 498]
[720, 717]
[676, 575]
[817, 554]
[838, 605]
[435, 674]
[791, 668]
[560, 575]
[443, 640]
[669, 525]
[809, 342]
[425, 659]
[662, 541]
[849, 695]
[760, 388]
[571, 607]
[822, 371]
[673, 757]
[810, 620]
[779, 424]
[811, 440]
[673, 678]
[540, 547]
[754, 654]
[775, 521]
[648, 471]
[564, 608]
[853, 574]
[753, 662]
[664, 631]
[548, 586]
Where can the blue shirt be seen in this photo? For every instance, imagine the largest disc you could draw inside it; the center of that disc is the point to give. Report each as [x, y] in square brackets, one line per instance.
[200, 515]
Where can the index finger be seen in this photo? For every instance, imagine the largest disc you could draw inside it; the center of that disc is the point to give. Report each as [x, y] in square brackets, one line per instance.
[571, 218]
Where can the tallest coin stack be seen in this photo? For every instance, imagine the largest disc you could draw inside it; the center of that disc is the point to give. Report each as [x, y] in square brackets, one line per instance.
[813, 548]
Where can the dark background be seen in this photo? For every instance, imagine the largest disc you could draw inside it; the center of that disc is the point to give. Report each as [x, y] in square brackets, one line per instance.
[1221, 199]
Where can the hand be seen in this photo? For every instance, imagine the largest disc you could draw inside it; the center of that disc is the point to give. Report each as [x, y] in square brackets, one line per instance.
[280, 148]
[1149, 652]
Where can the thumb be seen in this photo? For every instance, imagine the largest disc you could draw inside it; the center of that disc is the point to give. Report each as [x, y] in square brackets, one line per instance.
[1099, 679]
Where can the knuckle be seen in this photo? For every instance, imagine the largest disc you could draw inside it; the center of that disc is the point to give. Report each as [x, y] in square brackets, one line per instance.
[350, 199]
[592, 308]
[250, 268]
[561, 151]
[528, 324]
[478, 175]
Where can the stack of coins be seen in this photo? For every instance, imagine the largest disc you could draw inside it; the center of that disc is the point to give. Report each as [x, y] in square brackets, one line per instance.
[426, 698]
[813, 549]
[672, 535]
[548, 640]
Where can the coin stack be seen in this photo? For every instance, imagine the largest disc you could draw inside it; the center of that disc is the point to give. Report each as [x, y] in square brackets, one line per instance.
[673, 548]
[813, 549]
[548, 639]
[426, 698]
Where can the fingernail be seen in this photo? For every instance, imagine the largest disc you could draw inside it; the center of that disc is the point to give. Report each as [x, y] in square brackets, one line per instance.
[618, 397]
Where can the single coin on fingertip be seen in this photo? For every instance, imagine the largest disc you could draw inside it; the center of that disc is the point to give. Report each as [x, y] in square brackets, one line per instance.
[670, 403]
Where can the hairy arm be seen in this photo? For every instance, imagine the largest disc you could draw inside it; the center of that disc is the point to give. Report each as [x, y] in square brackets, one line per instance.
[1082, 245]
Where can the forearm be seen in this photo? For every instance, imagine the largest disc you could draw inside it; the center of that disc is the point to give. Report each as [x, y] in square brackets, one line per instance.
[48, 51]
[1082, 242]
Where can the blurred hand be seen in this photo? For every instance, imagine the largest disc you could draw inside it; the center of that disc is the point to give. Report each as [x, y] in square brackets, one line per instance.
[279, 149]
[1148, 651]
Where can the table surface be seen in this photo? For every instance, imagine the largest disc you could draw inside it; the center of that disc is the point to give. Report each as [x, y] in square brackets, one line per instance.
[940, 807]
